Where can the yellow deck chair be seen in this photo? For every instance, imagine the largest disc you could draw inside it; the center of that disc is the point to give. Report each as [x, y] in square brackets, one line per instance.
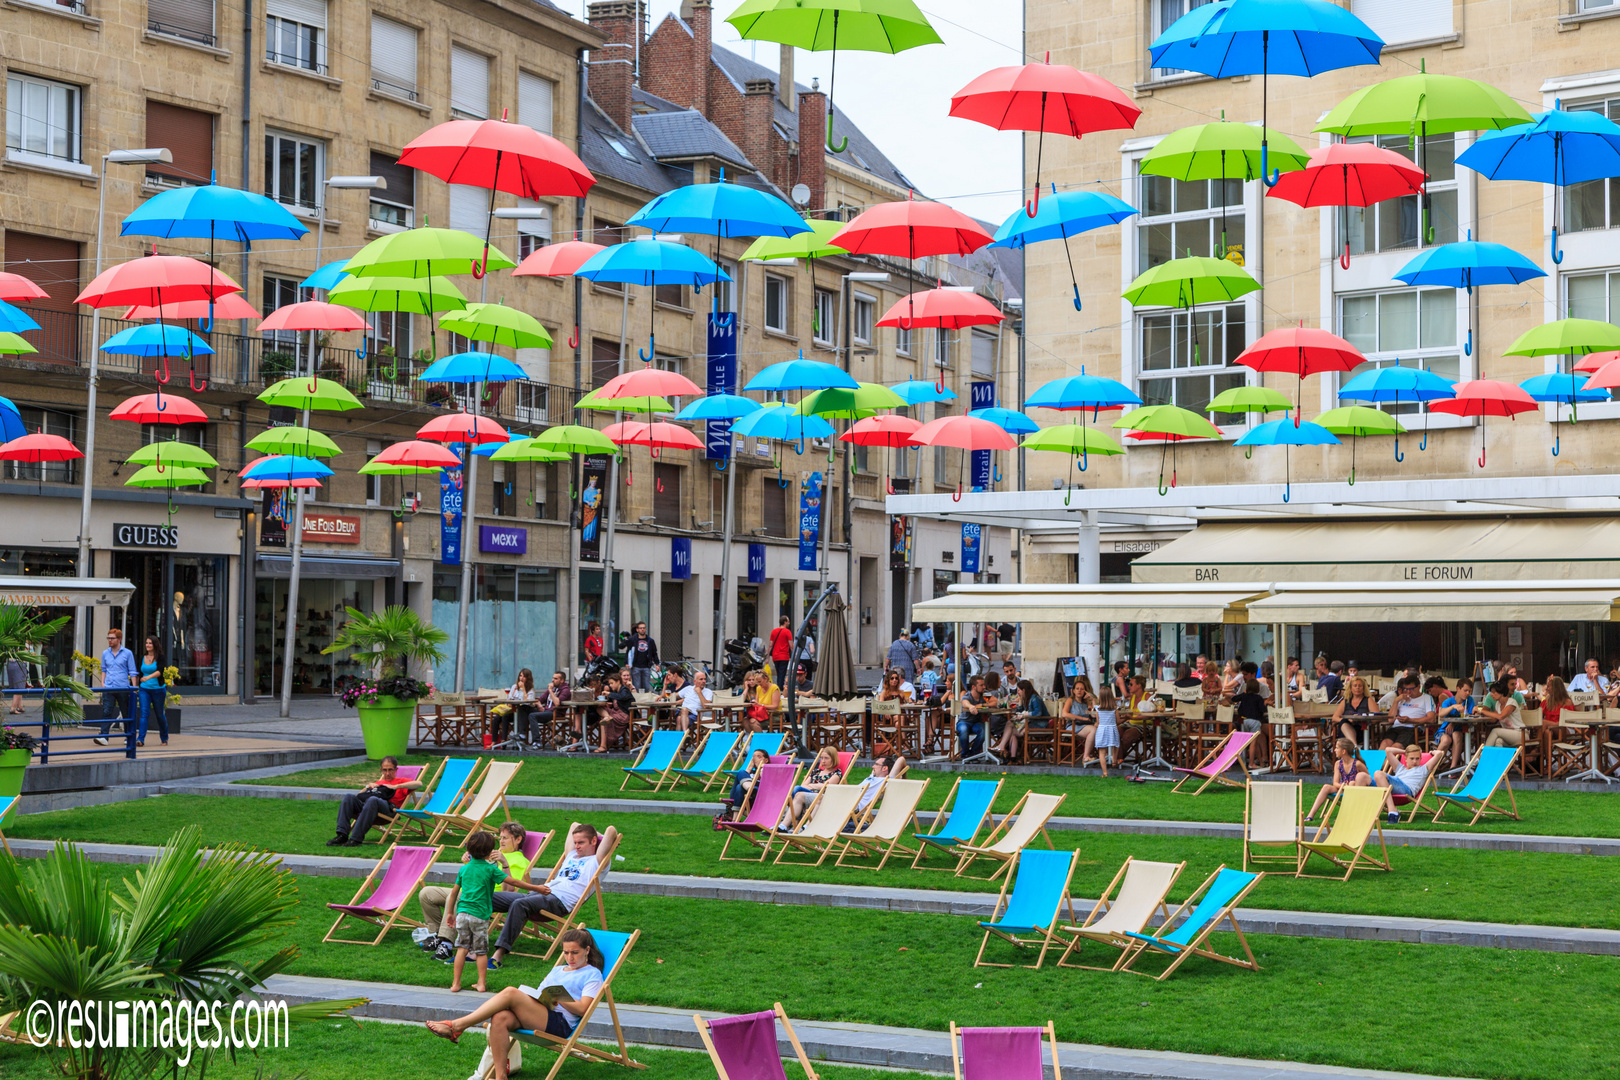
[475, 808]
[823, 826]
[1357, 812]
[1016, 831]
[896, 812]
[1273, 813]
[1142, 887]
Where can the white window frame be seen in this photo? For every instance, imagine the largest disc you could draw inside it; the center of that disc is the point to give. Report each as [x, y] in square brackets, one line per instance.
[826, 315]
[942, 353]
[1210, 216]
[388, 85]
[1157, 26]
[1391, 23]
[725, 292]
[272, 179]
[374, 483]
[530, 400]
[1200, 345]
[15, 151]
[1597, 410]
[1386, 358]
[862, 316]
[784, 304]
[456, 111]
[902, 342]
[1391, 206]
[315, 60]
[974, 338]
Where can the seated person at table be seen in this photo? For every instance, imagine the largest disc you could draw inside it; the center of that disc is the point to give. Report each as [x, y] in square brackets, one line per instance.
[882, 768]
[1185, 677]
[586, 849]
[1356, 709]
[360, 810]
[1503, 705]
[803, 683]
[929, 679]
[519, 702]
[1120, 680]
[893, 687]
[1454, 707]
[1139, 695]
[1212, 688]
[743, 786]
[823, 772]
[1404, 774]
[1328, 677]
[674, 683]
[1077, 709]
[696, 700]
[554, 696]
[1027, 710]
[761, 699]
[1409, 710]
[617, 700]
[1296, 683]
[1010, 674]
[1348, 771]
[970, 725]
[1231, 679]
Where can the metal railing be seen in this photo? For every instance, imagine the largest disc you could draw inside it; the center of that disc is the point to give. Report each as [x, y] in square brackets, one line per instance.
[185, 33]
[124, 747]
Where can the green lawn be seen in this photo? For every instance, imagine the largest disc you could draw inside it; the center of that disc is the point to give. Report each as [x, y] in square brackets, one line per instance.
[1555, 813]
[1568, 890]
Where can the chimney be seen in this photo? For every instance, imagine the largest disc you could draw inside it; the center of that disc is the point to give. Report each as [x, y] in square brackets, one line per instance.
[612, 72]
[759, 115]
[784, 77]
[699, 15]
[812, 144]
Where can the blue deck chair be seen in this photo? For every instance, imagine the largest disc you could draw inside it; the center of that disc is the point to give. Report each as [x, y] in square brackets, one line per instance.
[710, 760]
[1217, 898]
[656, 760]
[455, 776]
[1487, 772]
[1038, 898]
[770, 743]
[615, 947]
[6, 806]
[969, 802]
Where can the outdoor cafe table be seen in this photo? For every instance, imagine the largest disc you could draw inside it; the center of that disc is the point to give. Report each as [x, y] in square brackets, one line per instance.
[1594, 729]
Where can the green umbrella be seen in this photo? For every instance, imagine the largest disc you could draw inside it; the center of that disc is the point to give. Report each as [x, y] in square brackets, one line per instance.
[424, 252]
[868, 400]
[806, 245]
[884, 26]
[1567, 336]
[302, 441]
[415, 296]
[301, 392]
[623, 404]
[169, 453]
[1245, 399]
[1168, 420]
[528, 450]
[498, 325]
[575, 439]
[152, 476]
[1356, 421]
[1076, 440]
[383, 468]
[1188, 282]
[1221, 151]
[11, 343]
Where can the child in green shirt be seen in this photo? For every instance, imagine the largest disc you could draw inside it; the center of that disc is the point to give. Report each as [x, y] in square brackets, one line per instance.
[472, 902]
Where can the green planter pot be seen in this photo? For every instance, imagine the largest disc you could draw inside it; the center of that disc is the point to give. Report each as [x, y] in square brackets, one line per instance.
[13, 763]
[386, 726]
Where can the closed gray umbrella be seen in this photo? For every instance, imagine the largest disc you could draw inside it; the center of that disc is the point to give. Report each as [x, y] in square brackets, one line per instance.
[835, 675]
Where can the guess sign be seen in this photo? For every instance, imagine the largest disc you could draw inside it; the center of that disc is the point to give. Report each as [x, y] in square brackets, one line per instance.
[146, 536]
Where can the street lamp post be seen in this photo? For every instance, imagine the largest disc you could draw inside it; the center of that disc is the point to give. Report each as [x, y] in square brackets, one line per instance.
[374, 183]
[144, 156]
[852, 623]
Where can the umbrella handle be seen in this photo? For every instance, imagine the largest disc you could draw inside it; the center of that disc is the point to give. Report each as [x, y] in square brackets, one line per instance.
[479, 269]
[995, 477]
[651, 351]
[1423, 443]
[1270, 177]
[509, 487]
[1068, 493]
[781, 481]
[1344, 258]
[652, 452]
[573, 339]
[1557, 256]
[720, 466]
[172, 507]
[1557, 440]
[889, 481]
[1400, 457]
[799, 448]
[1172, 478]
[191, 377]
[629, 476]
[1033, 206]
[1084, 461]
[160, 463]
[842, 144]
[1248, 453]
[530, 500]
[658, 485]
[391, 372]
[360, 353]
[1352, 476]
[1163, 489]
[573, 492]
[313, 384]
[956, 496]
[165, 376]
[1287, 490]
[1468, 346]
[1077, 297]
[161, 404]
[939, 381]
[1482, 450]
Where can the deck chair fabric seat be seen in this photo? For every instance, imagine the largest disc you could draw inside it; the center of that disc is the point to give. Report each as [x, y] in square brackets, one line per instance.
[1216, 901]
[1016, 832]
[969, 802]
[1273, 814]
[770, 742]
[1376, 761]
[1040, 891]
[1357, 812]
[745, 1047]
[822, 828]
[1007, 1053]
[1142, 887]
[615, 947]
[406, 867]
[710, 761]
[656, 759]
[470, 817]
[759, 826]
[445, 791]
[1211, 768]
[896, 812]
[1487, 772]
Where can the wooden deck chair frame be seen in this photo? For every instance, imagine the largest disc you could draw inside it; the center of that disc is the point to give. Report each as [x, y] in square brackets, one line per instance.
[970, 852]
[571, 1046]
[787, 1026]
[663, 777]
[400, 822]
[956, 1051]
[739, 746]
[395, 918]
[765, 838]
[1048, 938]
[1361, 858]
[1104, 904]
[1195, 947]
[1218, 778]
[923, 847]
[864, 846]
[458, 818]
[1292, 858]
[546, 926]
[795, 838]
[1485, 806]
[392, 824]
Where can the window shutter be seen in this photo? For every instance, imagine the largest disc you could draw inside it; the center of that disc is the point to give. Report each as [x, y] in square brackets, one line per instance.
[182, 18]
[604, 359]
[189, 135]
[469, 208]
[667, 494]
[309, 12]
[535, 102]
[1405, 20]
[401, 179]
[984, 355]
[48, 262]
[536, 364]
[469, 82]
[773, 511]
[393, 56]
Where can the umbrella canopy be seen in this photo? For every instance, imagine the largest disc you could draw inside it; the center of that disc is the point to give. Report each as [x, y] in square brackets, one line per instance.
[964, 432]
[648, 382]
[1594, 362]
[526, 450]
[305, 442]
[513, 158]
[881, 431]
[471, 368]
[1567, 336]
[835, 673]
[911, 230]
[12, 344]
[802, 374]
[1286, 432]
[1061, 215]
[1188, 282]
[1082, 391]
[159, 409]
[574, 439]
[866, 400]
[327, 276]
[1074, 439]
[156, 279]
[313, 315]
[557, 260]
[1301, 351]
[423, 252]
[658, 435]
[213, 212]
[417, 454]
[1350, 174]
[169, 452]
[462, 428]
[1045, 97]
[1222, 150]
[156, 339]
[1486, 397]
[299, 392]
[498, 325]
[717, 407]
[1436, 103]
[14, 320]
[946, 309]
[39, 447]
[782, 423]
[267, 483]
[595, 400]
[1563, 388]
[1395, 384]
[813, 244]
[1247, 399]
[1168, 420]
[1011, 421]
[416, 296]
[285, 467]
[719, 209]
[11, 425]
[167, 476]
[652, 262]
[921, 391]
[16, 287]
[229, 306]
[1358, 420]
[1467, 263]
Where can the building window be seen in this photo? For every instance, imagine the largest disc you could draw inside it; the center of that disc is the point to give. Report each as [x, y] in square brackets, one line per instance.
[533, 233]
[604, 360]
[389, 338]
[1414, 328]
[278, 293]
[393, 58]
[192, 20]
[826, 317]
[293, 168]
[984, 355]
[1164, 14]
[673, 295]
[373, 482]
[860, 319]
[667, 494]
[942, 454]
[1593, 204]
[189, 136]
[1188, 357]
[1393, 224]
[774, 520]
[942, 348]
[530, 401]
[535, 96]
[607, 234]
[295, 33]
[393, 208]
[43, 118]
[725, 292]
[1591, 296]
[1181, 218]
[776, 303]
[902, 341]
[1402, 21]
[51, 422]
[469, 84]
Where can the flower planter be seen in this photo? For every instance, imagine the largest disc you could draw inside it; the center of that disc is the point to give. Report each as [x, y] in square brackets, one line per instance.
[385, 724]
[13, 763]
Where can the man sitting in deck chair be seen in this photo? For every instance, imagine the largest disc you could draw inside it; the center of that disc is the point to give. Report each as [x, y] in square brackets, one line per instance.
[561, 895]
[882, 768]
[379, 799]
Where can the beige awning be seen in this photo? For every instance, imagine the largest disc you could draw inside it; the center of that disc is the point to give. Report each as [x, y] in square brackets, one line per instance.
[1034, 603]
[65, 592]
[1372, 602]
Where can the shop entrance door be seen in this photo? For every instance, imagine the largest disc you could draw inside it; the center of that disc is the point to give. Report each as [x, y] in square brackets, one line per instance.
[672, 620]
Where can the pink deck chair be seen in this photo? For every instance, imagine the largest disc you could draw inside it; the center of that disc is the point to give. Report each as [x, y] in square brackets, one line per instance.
[1006, 1053]
[744, 1047]
[1217, 761]
[765, 811]
[406, 867]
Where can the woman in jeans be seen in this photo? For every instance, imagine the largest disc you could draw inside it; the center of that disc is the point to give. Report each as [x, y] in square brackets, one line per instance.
[154, 693]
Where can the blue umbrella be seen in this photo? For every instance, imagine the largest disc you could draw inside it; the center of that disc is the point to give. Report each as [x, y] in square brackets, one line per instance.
[1466, 263]
[472, 367]
[1562, 389]
[802, 374]
[156, 339]
[1394, 384]
[286, 467]
[327, 276]
[15, 320]
[1082, 391]
[776, 421]
[1248, 37]
[719, 209]
[1286, 433]
[213, 212]
[1065, 214]
[11, 425]
[652, 262]
[1557, 148]
[718, 407]
[1009, 420]
[921, 391]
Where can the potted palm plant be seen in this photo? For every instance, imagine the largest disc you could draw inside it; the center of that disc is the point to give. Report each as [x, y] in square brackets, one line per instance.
[386, 699]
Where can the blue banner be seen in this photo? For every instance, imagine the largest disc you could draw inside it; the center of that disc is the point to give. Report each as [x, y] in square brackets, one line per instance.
[981, 395]
[971, 535]
[680, 558]
[756, 564]
[722, 379]
[450, 498]
[809, 521]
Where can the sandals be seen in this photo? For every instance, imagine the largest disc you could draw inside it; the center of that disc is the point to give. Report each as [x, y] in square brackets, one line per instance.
[448, 1032]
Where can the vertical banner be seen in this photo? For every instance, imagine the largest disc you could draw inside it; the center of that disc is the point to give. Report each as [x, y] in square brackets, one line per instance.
[273, 517]
[971, 535]
[899, 543]
[756, 564]
[722, 378]
[680, 558]
[450, 499]
[809, 521]
[981, 395]
[592, 505]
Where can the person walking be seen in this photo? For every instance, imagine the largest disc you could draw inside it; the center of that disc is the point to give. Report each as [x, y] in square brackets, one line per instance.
[643, 658]
[119, 677]
[154, 694]
[781, 650]
[903, 654]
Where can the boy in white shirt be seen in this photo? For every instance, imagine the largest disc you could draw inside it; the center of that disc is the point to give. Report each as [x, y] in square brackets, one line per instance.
[587, 855]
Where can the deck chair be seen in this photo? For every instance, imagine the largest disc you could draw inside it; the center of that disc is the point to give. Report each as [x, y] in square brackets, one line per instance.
[7, 804]
[545, 926]
[770, 742]
[1142, 887]
[744, 1047]
[969, 802]
[470, 817]
[615, 947]
[1040, 892]
[822, 827]
[1016, 831]
[1212, 903]
[385, 906]
[1485, 773]
[441, 795]
[1006, 1053]
[769, 798]
[1356, 813]
[656, 759]
[709, 763]
[1211, 766]
[896, 812]
[1273, 813]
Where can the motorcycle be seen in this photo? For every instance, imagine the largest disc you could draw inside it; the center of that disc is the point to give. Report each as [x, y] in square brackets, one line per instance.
[740, 658]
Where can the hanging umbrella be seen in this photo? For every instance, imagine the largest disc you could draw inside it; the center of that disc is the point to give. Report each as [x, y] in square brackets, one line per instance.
[781, 423]
[1562, 389]
[420, 253]
[1486, 397]
[967, 433]
[1082, 391]
[1467, 263]
[414, 296]
[168, 477]
[648, 382]
[1301, 351]
[719, 209]
[229, 306]
[1247, 37]
[574, 439]
[11, 425]
[156, 279]
[648, 404]
[1076, 440]
[657, 435]
[717, 407]
[1395, 384]
[866, 400]
[327, 276]
[1285, 434]
[802, 374]
[525, 450]
[1220, 151]
[314, 315]
[1591, 363]
[156, 339]
[887, 431]
[1358, 421]
[213, 212]
[942, 308]
[1042, 98]
[1011, 421]
[268, 483]
[469, 368]
[652, 262]
[495, 324]
[12, 344]
[557, 260]
[157, 409]
[287, 467]
[38, 447]
[1566, 336]
[417, 454]
[883, 26]
[299, 392]
[1064, 214]
[16, 287]
[1558, 148]
[1185, 283]
[815, 243]
[167, 452]
[1247, 399]
[1350, 174]
[922, 391]
[302, 441]
[14, 320]
[1172, 422]
[462, 428]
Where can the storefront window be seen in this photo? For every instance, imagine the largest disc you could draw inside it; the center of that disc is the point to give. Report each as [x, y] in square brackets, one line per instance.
[591, 609]
[26, 562]
[748, 612]
[182, 602]
[640, 599]
[323, 609]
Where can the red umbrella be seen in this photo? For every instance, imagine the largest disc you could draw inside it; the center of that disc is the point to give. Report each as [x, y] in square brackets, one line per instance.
[911, 230]
[229, 306]
[1350, 174]
[156, 279]
[1486, 397]
[419, 454]
[1162, 436]
[557, 260]
[1040, 97]
[887, 430]
[659, 434]
[648, 382]
[1595, 362]
[461, 428]
[948, 309]
[39, 447]
[159, 409]
[1301, 351]
[967, 432]
[14, 287]
[314, 315]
